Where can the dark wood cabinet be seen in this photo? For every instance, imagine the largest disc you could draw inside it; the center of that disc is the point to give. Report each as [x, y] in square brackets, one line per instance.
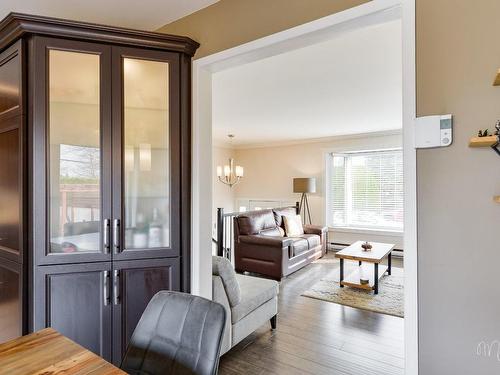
[12, 316]
[95, 150]
[75, 300]
[134, 284]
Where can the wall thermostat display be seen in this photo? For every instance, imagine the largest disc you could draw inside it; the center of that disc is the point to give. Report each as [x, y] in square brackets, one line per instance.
[433, 131]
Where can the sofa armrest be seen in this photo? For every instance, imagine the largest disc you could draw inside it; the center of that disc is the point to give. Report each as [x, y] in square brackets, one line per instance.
[269, 241]
[315, 229]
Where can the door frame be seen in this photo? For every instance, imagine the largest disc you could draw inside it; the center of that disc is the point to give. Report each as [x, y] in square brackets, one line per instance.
[296, 37]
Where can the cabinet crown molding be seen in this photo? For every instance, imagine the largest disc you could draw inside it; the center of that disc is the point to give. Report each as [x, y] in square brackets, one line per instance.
[15, 25]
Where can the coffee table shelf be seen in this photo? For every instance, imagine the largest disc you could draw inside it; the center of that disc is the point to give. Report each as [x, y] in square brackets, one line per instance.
[353, 279]
[369, 262]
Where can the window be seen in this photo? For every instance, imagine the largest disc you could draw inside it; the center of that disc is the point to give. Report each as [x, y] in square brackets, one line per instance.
[366, 190]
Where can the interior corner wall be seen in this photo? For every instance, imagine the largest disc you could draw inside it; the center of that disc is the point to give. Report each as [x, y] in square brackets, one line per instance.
[458, 55]
[269, 172]
[229, 23]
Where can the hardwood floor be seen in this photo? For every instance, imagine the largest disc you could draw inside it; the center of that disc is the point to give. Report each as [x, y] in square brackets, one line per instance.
[318, 337]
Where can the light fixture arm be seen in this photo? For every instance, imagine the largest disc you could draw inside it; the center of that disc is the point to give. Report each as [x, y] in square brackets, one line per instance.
[230, 175]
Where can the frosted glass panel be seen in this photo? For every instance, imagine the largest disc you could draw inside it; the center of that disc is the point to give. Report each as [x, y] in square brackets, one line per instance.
[146, 154]
[75, 152]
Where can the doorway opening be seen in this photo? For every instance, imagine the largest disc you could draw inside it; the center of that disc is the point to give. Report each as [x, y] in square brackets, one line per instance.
[314, 33]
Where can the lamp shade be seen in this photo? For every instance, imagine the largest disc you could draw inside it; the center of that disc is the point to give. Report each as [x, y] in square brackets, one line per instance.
[304, 185]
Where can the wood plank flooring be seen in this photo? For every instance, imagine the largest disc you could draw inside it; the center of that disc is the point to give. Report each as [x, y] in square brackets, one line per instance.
[318, 337]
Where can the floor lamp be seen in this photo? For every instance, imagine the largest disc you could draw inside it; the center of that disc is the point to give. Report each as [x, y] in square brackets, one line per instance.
[304, 186]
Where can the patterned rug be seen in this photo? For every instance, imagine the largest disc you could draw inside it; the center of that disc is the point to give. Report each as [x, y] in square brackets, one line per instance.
[390, 299]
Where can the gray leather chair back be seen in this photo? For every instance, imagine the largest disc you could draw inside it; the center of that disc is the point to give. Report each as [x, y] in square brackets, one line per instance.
[178, 334]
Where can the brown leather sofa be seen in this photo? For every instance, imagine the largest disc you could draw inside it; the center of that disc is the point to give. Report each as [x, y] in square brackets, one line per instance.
[259, 244]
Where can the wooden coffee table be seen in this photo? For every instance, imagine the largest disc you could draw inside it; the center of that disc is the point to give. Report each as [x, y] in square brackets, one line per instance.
[375, 256]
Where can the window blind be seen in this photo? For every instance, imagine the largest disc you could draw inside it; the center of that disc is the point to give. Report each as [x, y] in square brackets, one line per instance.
[366, 190]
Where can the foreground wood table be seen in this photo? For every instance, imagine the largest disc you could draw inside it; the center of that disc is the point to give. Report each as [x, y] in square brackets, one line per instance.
[47, 352]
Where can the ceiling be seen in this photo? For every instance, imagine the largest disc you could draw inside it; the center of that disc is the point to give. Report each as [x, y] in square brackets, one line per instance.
[350, 84]
[144, 15]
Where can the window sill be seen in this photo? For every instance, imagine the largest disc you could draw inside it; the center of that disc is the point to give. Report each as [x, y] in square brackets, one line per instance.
[380, 232]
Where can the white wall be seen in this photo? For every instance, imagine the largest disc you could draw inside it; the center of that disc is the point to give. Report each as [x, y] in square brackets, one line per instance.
[269, 172]
[356, 69]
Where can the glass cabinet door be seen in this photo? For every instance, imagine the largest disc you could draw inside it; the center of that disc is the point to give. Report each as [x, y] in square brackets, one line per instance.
[75, 152]
[12, 159]
[146, 154]
[78, 150]
[149, 185]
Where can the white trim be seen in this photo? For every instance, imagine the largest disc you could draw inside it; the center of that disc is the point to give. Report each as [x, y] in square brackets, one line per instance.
[333, 138]
[410, 189]
[322, 29]
[378, 232]
[327, 175]
[366, 151]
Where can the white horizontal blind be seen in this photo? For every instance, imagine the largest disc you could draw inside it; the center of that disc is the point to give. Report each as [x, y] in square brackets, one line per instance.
[366, 190]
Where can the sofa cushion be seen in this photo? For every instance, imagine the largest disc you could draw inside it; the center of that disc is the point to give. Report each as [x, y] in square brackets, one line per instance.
[245, 326]
[293, 225]
[313, 240]
[275, 232]
[280, 212]
[254, 293]
[299, 246]
[254, 222]
[223, 268]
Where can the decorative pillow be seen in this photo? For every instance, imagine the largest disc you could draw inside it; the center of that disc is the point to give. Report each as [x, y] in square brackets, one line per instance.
[293, 225]
[282, 232]
[223, 268]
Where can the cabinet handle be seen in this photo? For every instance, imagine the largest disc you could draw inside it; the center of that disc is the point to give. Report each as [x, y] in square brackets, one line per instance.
[105, 291]
[106, 229]
[116, 287]
[116, 236]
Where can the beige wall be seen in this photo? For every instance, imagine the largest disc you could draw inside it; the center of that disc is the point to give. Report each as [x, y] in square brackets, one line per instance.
[457, 56]
[269, 172]
[223, 195]
[458, 224]
[229, 23]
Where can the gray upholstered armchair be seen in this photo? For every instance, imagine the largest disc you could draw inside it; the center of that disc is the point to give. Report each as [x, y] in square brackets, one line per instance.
[249, 301]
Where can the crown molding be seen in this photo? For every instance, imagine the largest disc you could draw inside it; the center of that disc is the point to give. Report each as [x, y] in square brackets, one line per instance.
[383, 133]
[15, 25]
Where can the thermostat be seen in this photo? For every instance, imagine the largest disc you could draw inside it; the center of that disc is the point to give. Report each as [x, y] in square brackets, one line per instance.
[433, 131]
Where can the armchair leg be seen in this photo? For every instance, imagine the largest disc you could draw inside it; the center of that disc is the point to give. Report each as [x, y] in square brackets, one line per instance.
[273, 322]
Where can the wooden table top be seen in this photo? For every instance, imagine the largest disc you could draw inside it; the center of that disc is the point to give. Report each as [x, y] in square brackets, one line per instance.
[355, 252]
[47, 352]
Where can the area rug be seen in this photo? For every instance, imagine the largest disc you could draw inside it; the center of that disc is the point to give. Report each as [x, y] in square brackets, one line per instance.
[390, 299]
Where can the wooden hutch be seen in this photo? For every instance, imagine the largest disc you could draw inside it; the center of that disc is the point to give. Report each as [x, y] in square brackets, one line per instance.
[94, 177]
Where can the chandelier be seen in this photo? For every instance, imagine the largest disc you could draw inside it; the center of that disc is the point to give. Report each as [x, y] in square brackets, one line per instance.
[229, 174]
